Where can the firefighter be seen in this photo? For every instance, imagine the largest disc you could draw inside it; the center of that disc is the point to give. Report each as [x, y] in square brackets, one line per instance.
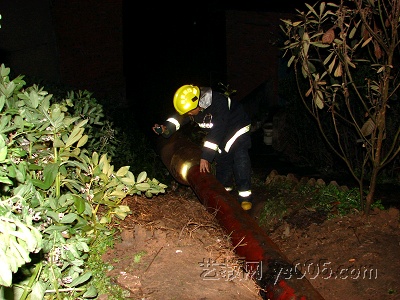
[228, 135]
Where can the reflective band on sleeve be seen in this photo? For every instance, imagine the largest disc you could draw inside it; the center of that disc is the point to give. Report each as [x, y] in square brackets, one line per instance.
[229, 103]
[175, 122]
[236, 135]
[211, 146]
[245, 194]
[228, 188]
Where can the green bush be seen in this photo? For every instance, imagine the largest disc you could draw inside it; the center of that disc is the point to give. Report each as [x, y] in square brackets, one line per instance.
[55, 175]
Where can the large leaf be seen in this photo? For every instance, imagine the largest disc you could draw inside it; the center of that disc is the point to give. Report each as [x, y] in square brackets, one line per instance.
[144, 186]
[50, 173]
[90, 293]
[68, 218]
[75, 136]
[128, 181]
[8, 89]
[27, 234]
[4, 121]
[142, 177]
[38, 291]
[5, 274]
[57, 143]
[3, 153]
[83, 140]
[82, 279]
[122, 171]
[79, 203]
[34, 99]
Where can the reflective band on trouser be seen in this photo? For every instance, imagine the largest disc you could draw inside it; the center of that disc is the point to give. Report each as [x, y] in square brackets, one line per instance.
[211, 146]
[245, 194]
[228, 188]
[236, 135]
[175, 122]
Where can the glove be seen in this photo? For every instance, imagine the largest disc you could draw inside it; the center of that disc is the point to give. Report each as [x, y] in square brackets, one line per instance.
[159, 129]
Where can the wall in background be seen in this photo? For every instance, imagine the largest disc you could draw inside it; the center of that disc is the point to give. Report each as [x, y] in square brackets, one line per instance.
[252, 51]
[77, 43]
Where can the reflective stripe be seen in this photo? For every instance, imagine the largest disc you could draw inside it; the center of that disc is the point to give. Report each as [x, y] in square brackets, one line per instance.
[205, 125]
[229, 103]
[175, 122]
[245, 193]
[211, 146]
[237, 134]
[228, 188]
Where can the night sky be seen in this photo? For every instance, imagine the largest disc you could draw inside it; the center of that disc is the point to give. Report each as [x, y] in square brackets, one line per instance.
[169, 48]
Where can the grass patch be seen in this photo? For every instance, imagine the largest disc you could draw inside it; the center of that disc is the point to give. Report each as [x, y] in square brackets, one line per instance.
[99, 268]
[285, 198]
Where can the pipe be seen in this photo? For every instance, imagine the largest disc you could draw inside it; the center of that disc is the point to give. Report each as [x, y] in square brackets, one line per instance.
[276, 276]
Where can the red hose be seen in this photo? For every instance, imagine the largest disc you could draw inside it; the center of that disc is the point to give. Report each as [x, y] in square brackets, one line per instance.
[276, 276]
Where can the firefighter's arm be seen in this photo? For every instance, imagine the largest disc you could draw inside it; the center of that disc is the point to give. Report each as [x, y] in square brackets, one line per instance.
[170, 126]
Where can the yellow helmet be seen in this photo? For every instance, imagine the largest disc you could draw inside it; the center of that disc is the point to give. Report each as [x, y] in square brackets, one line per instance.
[186, 98]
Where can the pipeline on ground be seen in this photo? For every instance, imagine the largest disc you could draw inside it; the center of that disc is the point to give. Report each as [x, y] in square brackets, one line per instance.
[263, 260]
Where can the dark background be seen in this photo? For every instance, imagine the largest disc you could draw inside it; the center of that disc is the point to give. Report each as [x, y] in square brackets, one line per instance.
[172, 45]
[135, 56]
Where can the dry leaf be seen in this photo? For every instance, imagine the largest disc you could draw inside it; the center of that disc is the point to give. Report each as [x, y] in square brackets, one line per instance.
[366, 42]
[368, 127]
[308, 92]
[332, 65]
[319, 99]
[377, 50]
[365, 33]
[348, 60]
[338, 71]
[328, 36]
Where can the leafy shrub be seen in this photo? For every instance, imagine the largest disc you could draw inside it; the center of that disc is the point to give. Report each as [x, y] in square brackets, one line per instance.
[55, 175]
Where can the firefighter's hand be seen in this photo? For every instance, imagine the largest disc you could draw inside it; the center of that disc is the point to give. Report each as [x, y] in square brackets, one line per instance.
[159, 129]
[204, 166]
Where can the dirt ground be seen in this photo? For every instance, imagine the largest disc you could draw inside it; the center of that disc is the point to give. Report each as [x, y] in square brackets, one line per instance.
[172, 248]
